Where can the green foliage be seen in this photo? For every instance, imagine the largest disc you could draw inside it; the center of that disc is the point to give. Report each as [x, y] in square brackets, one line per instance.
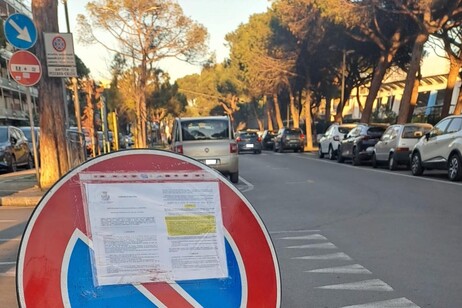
[82, 69]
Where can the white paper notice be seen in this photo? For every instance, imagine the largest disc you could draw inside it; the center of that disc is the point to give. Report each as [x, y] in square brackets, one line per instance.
[148, 232]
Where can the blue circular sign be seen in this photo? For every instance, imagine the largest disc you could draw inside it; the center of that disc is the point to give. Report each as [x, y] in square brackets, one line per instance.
[20, 31]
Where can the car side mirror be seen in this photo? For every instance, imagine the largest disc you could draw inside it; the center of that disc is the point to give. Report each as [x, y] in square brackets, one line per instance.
[345, 136]
[427, 136]
[13, 141]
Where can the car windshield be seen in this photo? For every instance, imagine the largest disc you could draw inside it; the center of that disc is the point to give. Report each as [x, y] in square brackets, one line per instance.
[3, 134]
[412, 131]
[205, 129]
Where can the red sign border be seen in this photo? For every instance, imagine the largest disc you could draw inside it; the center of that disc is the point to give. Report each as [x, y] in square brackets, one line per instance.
[36, 213]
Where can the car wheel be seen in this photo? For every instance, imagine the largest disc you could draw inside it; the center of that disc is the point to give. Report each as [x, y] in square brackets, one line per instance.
[301, 150]
[331, 153]
[30, 162]
[340, 158]
[355, 160]
[13, 166]
[455, 168]
[234, 177]
[392, 164]
[416, 164]
[374, 161]
[320, 153]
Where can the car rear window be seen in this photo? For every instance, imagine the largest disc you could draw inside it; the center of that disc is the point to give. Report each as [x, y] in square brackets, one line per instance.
[204, 129]
[375, 132]
[3, 134]
[410, 131]
[293, 132]
[344, 130]
[248, 135]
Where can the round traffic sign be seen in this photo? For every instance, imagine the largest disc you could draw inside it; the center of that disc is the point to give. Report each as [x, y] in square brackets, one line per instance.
[59, 43]
[55, 267]
[20, 31]
[25, 68]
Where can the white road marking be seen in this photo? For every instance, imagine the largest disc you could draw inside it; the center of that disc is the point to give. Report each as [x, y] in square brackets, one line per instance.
[305, 237]
[332, 256]
[249, 185]
[382, 171]
[315, 246]
[294, 231]
[10, 273]
[393, 303]
[7, 263]
[348, 269]
[9, 239]
[366, 285]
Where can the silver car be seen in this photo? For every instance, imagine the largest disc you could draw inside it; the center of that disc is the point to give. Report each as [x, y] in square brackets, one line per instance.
[396, 144]
[210, 141]
[441, 148]
[330, 140]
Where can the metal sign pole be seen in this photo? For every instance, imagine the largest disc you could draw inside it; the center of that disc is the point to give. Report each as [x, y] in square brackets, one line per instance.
[32, 128]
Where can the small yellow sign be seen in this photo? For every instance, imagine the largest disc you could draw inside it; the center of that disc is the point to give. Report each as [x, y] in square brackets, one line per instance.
[190, 225]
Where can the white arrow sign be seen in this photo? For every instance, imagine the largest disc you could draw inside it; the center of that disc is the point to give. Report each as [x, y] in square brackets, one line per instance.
[23, 33]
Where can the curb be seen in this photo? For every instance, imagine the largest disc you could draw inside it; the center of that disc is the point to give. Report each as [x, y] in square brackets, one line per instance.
[20, 201]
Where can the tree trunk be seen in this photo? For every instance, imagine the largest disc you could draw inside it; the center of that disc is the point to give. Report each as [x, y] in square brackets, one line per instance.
[293, 110]
[404, 107]
[268, 113]
[452, 79]
[414, 96]
[53, 149]
[308, 130]
[458, 109]
[328, 104]
[383, 64]
[277, 111]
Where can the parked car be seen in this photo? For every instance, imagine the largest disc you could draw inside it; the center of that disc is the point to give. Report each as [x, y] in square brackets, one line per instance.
[27, 132]
[440, 148]
[396, 144]
[330, 140]
[14, 149]
[267, 139]
[248, 141]
[209, 140]
[289, 138]
[88, 139]
[357, 141]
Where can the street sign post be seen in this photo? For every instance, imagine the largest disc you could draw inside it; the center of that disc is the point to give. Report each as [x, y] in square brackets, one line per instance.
[20, 31]
[73, 255]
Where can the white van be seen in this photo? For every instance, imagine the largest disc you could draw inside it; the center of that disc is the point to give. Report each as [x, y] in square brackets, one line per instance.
[209, 140]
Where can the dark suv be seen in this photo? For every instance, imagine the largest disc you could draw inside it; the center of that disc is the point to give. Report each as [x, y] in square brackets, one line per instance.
[359, 143]
[14, 149]
[289, 138]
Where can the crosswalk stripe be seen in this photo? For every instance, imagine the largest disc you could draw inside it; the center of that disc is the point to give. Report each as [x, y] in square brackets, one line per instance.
[366, 285]
[393, 303]
[348, 269]
[316, 246]
[305, 237]
[332, 256]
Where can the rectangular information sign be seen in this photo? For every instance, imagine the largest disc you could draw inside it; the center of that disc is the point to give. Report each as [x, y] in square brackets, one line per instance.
[149, 232]
[59, 50]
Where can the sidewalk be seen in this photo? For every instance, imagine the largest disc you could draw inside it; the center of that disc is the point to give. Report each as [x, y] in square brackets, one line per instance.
[26, 197]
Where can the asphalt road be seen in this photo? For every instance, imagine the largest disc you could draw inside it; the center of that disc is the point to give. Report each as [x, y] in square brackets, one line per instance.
[344, 236]
[354, 236]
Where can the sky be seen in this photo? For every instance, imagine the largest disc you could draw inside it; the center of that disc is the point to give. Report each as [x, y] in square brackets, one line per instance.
[218, 16]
